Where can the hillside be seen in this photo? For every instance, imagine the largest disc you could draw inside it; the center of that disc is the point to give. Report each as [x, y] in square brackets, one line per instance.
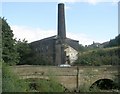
[100, 56]
[107, 53]
[112, 43]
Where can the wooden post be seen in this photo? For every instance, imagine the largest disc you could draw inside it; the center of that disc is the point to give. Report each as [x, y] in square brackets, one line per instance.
[77, 79]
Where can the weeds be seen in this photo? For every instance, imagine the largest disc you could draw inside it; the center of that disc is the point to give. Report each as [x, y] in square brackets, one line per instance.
[11, 82]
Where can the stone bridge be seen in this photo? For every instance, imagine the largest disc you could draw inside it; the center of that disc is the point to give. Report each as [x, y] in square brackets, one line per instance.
[72, 77]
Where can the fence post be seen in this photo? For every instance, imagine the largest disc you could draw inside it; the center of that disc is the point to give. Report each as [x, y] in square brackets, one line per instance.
[77, 79]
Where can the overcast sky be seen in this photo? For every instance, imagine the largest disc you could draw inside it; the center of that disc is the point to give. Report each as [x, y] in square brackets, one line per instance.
[85, 21]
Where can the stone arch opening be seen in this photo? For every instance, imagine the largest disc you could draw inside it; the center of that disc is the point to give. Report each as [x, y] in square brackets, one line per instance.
[104, 84]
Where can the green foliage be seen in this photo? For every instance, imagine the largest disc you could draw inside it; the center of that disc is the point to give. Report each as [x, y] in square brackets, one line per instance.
[27, 56]
[11, 82]
[49, 86]
[24, 51]
[95, 89]
[81, 48]
[108, 56]
[117, 82]
[9, 51]
[44, 85]
[114, 42]
[84, 88]
[18, 52]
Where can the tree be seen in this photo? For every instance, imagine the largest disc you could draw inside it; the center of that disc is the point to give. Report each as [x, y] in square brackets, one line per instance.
[104, 56]
[24, 51]
[114, 42]
[81, 48]
[9, 51]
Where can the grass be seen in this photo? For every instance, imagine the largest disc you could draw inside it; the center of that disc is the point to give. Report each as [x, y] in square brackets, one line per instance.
[11, 82]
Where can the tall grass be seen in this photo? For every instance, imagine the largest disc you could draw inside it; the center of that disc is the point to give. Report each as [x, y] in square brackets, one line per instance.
[11, 82]
[47, 85]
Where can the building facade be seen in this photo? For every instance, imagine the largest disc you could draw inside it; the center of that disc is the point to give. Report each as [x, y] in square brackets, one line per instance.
[57, 49]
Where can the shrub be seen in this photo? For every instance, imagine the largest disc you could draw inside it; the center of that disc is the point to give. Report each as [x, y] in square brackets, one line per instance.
[11, 82]
[105, 56]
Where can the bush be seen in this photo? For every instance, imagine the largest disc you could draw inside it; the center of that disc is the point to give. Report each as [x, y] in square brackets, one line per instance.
[49, 86]
[43, 85]
[11, 82]
[108, 56]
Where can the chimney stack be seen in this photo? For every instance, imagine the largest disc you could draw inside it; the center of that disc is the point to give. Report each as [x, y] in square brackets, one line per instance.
[60, 53]
[61, 22]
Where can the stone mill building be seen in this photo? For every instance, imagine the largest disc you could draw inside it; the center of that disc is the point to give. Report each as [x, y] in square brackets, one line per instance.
[57, 49]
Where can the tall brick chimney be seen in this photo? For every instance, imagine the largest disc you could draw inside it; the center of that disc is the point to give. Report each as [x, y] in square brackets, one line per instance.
[60, 53]
[61, 22]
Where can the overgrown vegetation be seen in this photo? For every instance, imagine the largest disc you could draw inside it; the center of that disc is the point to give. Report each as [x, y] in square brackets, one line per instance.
[11, 82]
[97, 54]
[24, 51]
[103, 56]
[42, 85]
[9, 51]
[13, 51]
[114, 42]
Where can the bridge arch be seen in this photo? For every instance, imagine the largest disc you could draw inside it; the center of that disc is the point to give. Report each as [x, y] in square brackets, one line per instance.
[104, 84]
